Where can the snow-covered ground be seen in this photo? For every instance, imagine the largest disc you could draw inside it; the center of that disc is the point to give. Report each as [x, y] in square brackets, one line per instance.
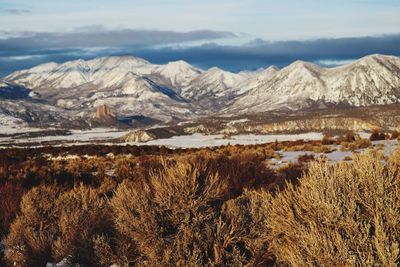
[14, 129]
[199, 140]
[386, 146]
[185, 141]
[75, 136]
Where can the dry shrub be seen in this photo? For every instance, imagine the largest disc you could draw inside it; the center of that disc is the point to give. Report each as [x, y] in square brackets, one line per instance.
[168, 219]
[289, 173]
[345, 215]
[355, 145]
[81, 216]
[179, 219]
[394, 135]
[242, 171]
[243, 229]
[305, 158]
[31, 234]
[54, 226]
[350, 137]
[376, 135]
[10, 196]
[327, 140]
[321, 149]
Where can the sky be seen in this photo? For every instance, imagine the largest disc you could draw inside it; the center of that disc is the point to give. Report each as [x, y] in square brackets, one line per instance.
[234, 35]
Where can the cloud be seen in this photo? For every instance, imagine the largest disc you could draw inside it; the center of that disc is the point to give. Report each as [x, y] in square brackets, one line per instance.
[164, 46]
[97, 36]
[334, 62]
[15, 11]
[260, 53]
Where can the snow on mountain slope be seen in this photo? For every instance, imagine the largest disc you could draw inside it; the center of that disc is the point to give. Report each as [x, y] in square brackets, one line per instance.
[121, 82]
[18, 111]
[78, 72]
[132, 86]
[105, 71]
[371, 80]
[213, 83]
[255, 79]
[179, 73]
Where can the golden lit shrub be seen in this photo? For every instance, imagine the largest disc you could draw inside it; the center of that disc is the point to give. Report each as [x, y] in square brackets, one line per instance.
[180, 218]
[54, 226]
[81, 215]
[169, 219]
[345, 215]
[30, 239]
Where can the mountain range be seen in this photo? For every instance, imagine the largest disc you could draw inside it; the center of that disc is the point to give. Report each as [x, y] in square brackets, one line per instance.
[138, 92]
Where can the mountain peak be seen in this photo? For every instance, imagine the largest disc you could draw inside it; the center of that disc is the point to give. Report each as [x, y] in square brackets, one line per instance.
[269, 71]
[179, 63]
[302, 68]
[215, 70]
[178, 73]
[180, 66]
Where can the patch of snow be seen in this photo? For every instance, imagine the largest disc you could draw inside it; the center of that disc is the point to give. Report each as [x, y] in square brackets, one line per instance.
[199, 140]
[75, 135]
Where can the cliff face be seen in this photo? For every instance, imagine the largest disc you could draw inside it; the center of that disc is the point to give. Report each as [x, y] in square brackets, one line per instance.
[103, 112]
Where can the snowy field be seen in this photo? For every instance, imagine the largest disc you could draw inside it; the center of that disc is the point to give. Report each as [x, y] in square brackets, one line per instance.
[108, 136]
[102, 135]
[200, 140]
[74, 136]
[386, 146]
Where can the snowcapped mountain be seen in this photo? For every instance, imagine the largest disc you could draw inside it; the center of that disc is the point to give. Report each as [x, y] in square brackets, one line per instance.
[78, 72]
[132, 87]
[213, 83]
[178, 73]
[255, 79]
[372, 80]
[123, 83]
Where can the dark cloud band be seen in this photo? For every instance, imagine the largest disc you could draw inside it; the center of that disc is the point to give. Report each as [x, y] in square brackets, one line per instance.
[31, 49]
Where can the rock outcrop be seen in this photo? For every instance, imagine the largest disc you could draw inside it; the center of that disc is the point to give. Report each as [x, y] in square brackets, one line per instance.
[139, 136]
[104, 112]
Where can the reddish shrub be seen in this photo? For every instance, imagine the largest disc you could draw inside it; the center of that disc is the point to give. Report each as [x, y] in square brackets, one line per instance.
[305, 158]
[376, 135]
[10, 197]
[395, 135]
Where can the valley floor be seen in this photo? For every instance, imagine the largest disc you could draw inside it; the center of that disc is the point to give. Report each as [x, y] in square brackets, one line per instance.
[13, 137]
